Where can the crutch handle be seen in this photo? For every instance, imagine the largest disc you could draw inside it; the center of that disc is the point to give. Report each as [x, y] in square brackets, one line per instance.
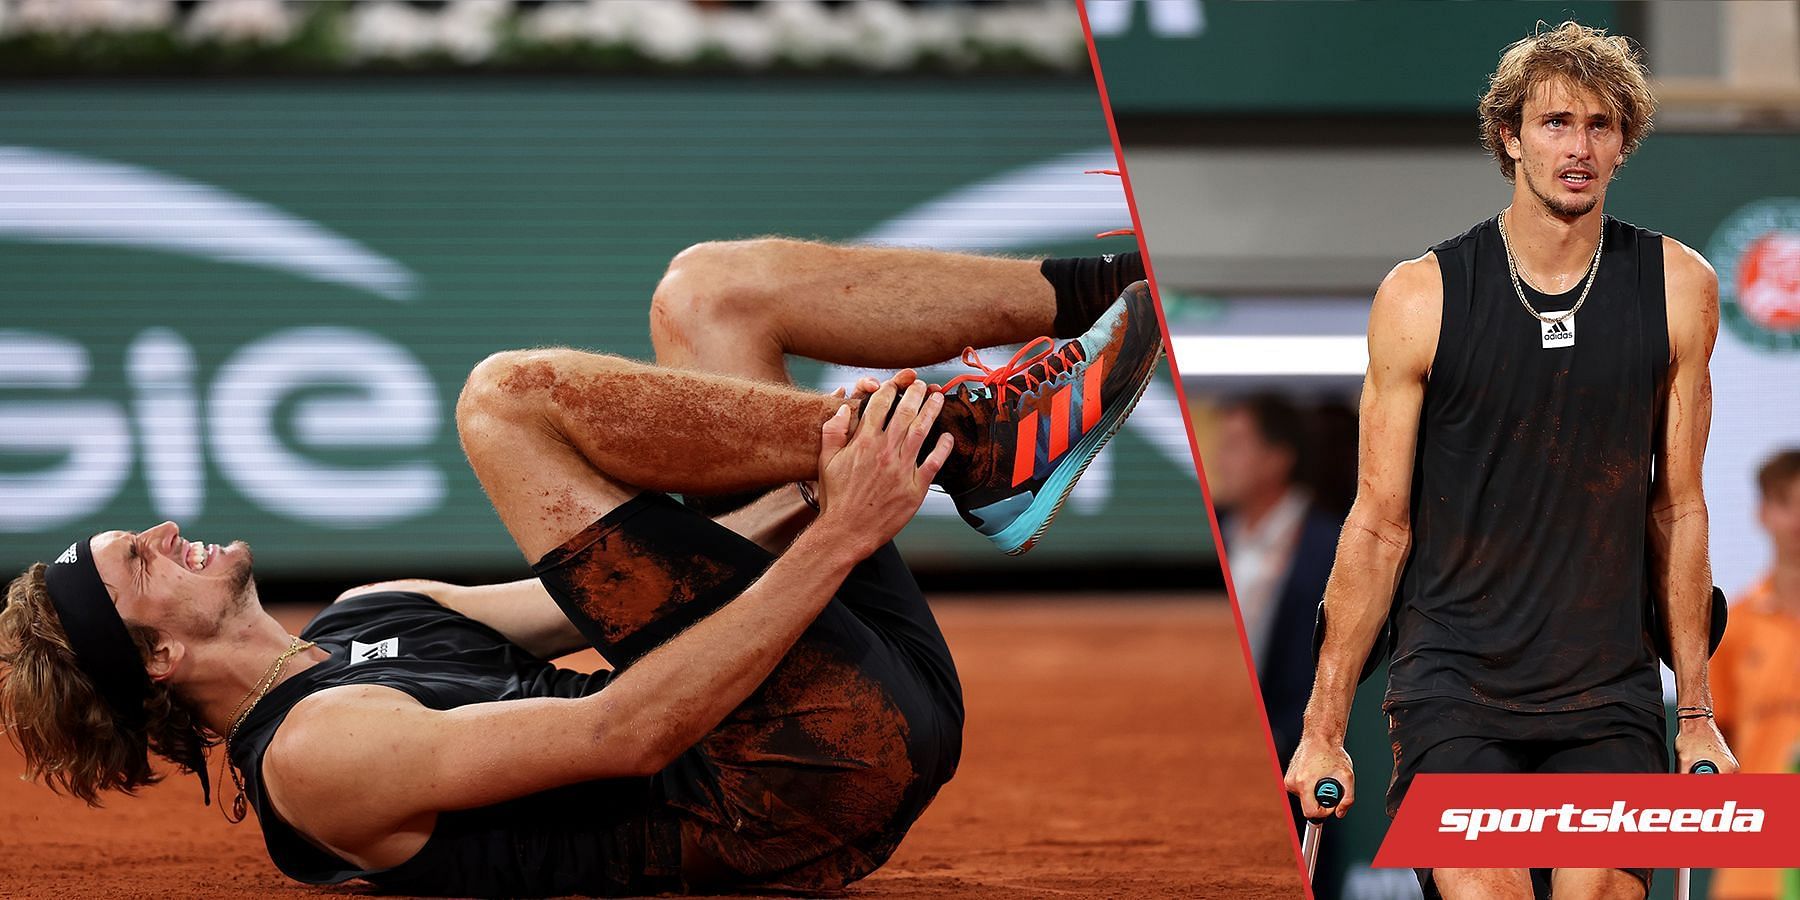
[1328, 793]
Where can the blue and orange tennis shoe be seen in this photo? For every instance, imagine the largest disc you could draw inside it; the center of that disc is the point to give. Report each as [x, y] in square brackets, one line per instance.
[1026, 430]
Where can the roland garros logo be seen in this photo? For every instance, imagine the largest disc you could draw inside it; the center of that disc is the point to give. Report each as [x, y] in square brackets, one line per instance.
[1757, 253]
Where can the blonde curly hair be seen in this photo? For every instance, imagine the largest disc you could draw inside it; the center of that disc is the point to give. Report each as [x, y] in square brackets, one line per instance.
[70, 738]
[1608, 66]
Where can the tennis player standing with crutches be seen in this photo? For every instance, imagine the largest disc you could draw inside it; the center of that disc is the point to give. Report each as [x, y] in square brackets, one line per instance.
[1529, 505]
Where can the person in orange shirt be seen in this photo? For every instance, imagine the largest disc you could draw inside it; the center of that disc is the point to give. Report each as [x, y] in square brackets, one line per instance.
[1756, 671]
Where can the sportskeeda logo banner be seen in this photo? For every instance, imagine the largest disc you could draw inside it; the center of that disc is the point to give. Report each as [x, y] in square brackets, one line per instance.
[1608, 821]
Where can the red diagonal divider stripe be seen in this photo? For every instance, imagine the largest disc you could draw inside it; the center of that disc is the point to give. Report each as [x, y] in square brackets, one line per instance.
[1441, 812]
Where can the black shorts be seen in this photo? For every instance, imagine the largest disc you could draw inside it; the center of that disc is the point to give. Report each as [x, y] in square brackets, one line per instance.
[1456, 736]
[811, 783]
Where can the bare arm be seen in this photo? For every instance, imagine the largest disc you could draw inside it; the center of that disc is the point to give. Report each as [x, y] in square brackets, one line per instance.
[1403, 332]
[522, 611]
[360, 768]
[1680, 570]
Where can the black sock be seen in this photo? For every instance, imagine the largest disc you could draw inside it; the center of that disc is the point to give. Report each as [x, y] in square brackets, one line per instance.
[1086, 286]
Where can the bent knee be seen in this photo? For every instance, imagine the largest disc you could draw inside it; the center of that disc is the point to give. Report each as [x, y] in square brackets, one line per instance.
[515, 389]
[502, 381]
[717, 283]
[515, 383]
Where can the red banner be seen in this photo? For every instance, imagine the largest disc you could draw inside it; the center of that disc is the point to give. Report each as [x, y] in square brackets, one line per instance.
[1598, 821]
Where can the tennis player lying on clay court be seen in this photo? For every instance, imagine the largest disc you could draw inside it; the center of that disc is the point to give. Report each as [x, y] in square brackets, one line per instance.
[782, 706]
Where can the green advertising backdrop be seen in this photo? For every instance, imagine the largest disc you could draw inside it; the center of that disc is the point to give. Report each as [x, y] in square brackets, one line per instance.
[1369, 56]
[249, 306]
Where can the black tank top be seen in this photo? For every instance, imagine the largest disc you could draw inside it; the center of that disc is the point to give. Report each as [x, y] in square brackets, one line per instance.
[597, 838]
[1527, 587]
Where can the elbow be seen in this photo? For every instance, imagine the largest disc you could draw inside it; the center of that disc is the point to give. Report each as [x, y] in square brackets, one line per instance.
[632, 745]
[644, 755]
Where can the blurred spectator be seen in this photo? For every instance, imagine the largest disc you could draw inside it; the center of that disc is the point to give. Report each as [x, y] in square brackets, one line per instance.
[1756, 671]
[1278, 544]
[1332, 474]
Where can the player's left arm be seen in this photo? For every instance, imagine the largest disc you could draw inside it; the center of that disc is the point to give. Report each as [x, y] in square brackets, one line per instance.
[522, 611]
[1681, 572]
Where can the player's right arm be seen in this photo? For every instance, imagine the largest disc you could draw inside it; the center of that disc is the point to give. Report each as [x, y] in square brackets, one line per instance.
[1403, 335]
[365, 769]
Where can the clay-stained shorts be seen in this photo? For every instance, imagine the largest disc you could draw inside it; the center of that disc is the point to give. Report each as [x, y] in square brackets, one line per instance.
[1456, 736]
[811, 783]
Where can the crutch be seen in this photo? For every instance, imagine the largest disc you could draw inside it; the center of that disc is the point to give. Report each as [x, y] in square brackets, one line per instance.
[1327, 793]
[1703, 767]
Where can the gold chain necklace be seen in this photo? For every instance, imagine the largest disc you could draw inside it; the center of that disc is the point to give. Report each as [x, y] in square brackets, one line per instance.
[239, 806]
[1512, 267]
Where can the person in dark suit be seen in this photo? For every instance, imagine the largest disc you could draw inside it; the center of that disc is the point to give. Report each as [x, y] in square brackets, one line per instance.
[1279, 541]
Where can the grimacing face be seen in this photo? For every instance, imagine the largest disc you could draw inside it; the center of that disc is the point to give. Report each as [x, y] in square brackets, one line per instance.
[1568, 146]
[179, 587]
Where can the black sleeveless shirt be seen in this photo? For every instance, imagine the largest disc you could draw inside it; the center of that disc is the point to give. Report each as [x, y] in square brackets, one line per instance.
[1528, 585]
[597, 838]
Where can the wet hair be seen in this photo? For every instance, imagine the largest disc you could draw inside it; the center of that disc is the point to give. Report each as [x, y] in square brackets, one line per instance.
[1778, 473]
[1608, 66]
[70, 738]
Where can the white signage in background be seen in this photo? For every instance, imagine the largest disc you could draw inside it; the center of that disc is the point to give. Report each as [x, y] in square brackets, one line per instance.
[356, 389]
[54, 197]
[160, 368]
[1168, 18]
[385, 401]
[393, 404]
[90, 435]
[1031, 205]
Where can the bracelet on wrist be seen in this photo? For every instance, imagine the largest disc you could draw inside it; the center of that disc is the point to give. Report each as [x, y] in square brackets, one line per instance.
[1683, 713]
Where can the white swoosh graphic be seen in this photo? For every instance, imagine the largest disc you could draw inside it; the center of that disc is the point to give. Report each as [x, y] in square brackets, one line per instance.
[56, 197]
[1041, 203]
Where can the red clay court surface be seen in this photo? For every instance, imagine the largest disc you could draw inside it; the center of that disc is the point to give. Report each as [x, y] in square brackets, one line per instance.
[1112, 749]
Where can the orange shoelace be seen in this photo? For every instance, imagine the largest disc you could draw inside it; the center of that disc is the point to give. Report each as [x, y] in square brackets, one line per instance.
[1116, 232]
[999, 378]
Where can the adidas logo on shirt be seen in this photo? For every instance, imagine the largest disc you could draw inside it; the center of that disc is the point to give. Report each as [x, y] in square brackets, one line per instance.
[362, 653]
[1560, 333]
